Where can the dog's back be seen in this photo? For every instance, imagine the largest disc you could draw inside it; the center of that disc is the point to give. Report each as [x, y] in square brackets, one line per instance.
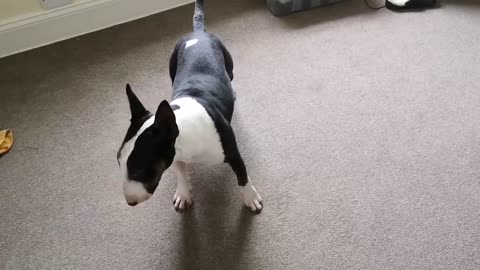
[202, 68]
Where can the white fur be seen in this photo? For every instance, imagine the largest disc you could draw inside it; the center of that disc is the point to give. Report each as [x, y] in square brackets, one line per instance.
[191, 42]
[198, 141]
[399, 3]
[135, 192]
[251, 198]
[183, 195]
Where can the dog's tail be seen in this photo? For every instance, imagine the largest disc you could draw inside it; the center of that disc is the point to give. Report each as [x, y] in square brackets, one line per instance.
[199, 17]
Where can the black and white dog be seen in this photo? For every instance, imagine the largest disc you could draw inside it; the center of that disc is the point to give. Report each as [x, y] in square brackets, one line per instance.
[193, 128]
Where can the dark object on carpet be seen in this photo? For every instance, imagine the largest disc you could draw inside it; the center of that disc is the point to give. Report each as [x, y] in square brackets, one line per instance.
[372, 7]
[285, 7]
[409, 4]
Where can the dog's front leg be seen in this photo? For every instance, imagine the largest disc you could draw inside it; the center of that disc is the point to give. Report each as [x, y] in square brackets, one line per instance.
[183, 195]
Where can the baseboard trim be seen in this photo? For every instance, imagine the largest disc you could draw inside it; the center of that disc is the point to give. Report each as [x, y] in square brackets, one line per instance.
[55, 25]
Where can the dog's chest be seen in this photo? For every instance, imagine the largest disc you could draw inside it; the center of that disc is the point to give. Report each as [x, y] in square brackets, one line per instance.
[198, 141]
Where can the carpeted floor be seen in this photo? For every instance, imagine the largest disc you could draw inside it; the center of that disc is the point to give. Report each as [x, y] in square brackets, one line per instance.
[360, 129]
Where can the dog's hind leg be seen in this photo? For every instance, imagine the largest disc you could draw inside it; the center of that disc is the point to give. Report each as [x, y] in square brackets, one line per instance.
[183, 195]
[251, 198]
[228, 61]
[173, 64]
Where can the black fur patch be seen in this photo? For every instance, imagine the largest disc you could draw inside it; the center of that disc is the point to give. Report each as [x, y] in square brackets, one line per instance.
[150, 157]
[138, 117]
[135, 125]
[154, 149]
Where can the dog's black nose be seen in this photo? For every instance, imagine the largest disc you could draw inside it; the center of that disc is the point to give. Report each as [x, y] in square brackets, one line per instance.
[132, 203]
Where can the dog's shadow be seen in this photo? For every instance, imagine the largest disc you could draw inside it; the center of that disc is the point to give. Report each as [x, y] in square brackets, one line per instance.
[208, 240]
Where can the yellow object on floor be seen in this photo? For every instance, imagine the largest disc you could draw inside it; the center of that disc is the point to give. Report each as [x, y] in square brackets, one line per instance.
[6, 141]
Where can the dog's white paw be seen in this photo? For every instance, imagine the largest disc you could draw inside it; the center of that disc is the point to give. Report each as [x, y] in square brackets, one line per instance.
[251, 198]
[182, 198]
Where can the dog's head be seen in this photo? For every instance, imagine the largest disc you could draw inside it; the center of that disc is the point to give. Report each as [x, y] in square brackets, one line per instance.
[147, 150]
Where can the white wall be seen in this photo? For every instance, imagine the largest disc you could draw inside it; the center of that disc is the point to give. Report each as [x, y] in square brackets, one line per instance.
[24, 25]
[14, 10]
[11, 9]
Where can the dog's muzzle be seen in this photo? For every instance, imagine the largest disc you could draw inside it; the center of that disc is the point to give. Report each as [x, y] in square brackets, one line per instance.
[135, 192]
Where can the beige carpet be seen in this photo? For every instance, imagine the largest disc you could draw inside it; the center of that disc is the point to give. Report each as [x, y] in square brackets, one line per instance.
[360, 129]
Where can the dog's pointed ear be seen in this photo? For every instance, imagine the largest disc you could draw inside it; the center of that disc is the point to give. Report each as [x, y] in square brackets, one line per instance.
[136, 107]
[165, 121]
